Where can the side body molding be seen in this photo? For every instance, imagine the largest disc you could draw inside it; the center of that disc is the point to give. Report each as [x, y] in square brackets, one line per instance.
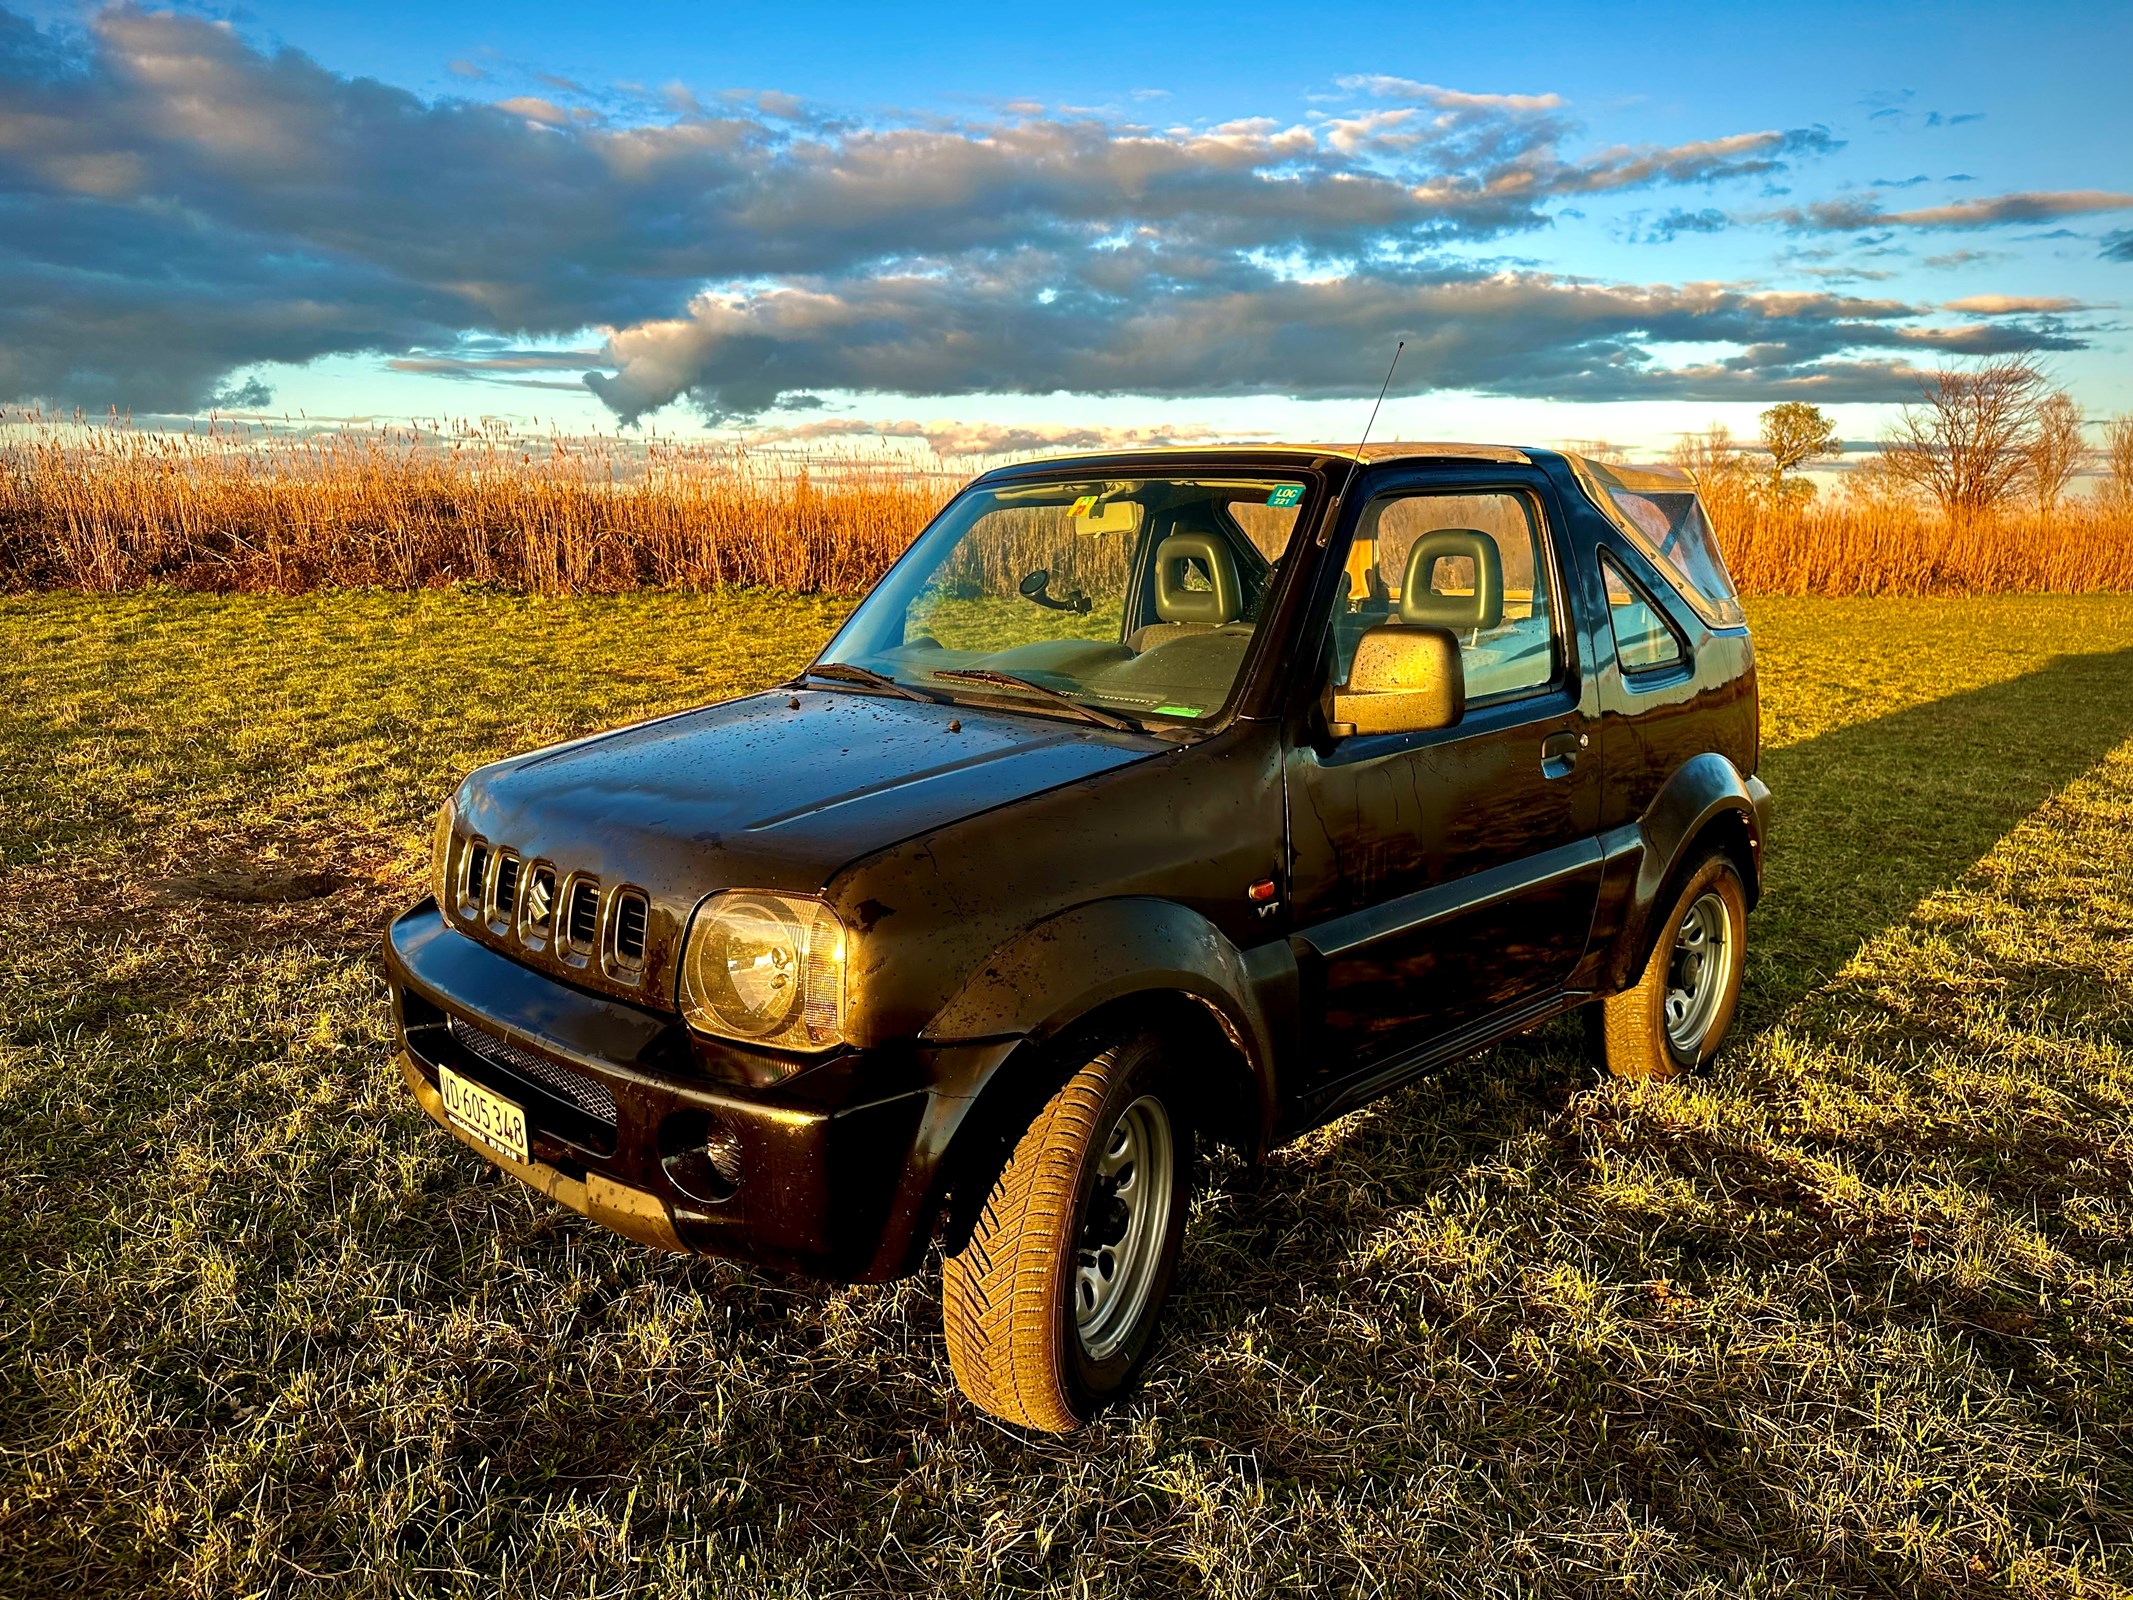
[1045, 979]
[1643, 858]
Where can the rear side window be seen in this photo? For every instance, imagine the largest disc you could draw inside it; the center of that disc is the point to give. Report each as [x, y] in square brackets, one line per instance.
[1660, 512]
[1644, 640]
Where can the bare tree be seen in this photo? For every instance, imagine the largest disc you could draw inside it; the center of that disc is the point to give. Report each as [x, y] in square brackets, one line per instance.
[2118, 461]
[1713, 458]
[2056, 449]
[1966, 442]
[1795, 433]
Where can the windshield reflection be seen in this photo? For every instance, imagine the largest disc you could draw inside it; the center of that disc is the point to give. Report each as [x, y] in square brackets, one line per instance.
[1134, 598]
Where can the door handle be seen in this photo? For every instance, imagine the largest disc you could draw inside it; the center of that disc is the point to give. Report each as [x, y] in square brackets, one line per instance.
[1559, 752]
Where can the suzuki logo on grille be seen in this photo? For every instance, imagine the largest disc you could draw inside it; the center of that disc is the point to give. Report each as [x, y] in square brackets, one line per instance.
[538, 900]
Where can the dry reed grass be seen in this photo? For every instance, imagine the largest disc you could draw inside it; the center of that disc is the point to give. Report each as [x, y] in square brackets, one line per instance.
[1837, 544]
[107, 507]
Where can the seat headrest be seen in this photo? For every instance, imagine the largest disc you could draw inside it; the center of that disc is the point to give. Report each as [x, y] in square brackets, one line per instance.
[1459, 612]
[1208, 557]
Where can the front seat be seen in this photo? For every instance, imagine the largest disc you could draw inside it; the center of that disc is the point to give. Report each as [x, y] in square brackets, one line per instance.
[1181, 610]
[1473, 613]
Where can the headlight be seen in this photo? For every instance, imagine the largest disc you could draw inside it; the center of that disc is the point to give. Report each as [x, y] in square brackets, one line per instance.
[768, 968]
[441, 854]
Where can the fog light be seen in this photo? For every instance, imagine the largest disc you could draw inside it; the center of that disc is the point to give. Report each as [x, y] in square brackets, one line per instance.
[702, 1156]
[722, 1147]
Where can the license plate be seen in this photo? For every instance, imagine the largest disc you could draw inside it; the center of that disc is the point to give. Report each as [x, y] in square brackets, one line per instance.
[489, 1117]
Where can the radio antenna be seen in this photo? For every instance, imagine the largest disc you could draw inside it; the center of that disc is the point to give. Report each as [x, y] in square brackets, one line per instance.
[1355, 465]
[1382, 388]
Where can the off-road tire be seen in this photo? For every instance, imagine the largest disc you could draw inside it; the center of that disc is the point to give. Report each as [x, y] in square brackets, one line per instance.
[1634, 1036]
[1008, 1296]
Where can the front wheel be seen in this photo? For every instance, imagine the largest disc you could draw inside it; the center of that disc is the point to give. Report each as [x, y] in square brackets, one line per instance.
[1051, 1308]
[1674, 1018]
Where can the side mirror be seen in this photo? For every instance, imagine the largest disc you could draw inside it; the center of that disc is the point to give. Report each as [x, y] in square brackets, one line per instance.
[1406, 678]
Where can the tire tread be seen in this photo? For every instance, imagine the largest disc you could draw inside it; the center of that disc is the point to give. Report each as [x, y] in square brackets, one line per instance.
[1000, 1292]
[1633, 1022]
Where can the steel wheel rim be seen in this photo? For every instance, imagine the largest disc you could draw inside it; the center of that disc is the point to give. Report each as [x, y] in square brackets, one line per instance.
[1697, 972]
[1118, 1244]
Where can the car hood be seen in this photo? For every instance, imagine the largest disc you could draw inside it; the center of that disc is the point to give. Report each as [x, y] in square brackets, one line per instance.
[776, 791]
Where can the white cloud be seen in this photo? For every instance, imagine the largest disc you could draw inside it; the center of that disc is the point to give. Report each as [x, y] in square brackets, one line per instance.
[1985, 211]
[2006, 305]
[952, 438]
[176, 206]
[976, 331]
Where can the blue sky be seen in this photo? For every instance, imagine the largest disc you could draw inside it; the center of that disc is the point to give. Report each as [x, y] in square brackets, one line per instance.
[1007, 225]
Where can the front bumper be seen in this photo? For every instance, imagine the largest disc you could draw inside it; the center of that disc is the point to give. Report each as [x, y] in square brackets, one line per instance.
[839, 1166]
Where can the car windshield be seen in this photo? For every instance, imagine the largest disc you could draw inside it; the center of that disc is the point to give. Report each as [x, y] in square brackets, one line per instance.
[1133, 598]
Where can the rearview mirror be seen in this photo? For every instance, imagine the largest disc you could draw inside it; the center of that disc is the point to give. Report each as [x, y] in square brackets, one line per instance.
[1406, 678]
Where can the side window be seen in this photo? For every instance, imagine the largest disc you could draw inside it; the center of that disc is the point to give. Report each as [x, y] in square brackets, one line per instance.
[1474, 563]
[1644, 640]
[1268, 527]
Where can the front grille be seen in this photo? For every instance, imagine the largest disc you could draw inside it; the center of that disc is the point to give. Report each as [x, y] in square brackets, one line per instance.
[573, 1088]
[506, 884]
[631, 914]
[545, 908]
[584, 922]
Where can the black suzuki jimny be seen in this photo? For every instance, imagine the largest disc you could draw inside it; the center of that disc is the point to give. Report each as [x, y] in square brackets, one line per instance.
[1149, 799]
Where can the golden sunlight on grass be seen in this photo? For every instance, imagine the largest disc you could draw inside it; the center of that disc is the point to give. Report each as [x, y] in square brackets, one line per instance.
[1850, 1314]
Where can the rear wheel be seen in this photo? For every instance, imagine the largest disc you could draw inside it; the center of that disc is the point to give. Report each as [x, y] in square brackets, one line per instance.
[1051, 1308]
[1676, 1015]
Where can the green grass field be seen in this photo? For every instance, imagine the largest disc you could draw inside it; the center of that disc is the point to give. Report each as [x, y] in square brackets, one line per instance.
[1854, 1314]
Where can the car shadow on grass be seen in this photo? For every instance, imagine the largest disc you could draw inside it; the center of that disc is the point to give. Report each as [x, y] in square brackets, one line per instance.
[1572, 1280]
[1875, 816]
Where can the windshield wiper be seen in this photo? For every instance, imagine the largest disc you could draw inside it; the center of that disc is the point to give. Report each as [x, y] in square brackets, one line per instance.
[1102, 719]
[845, 672]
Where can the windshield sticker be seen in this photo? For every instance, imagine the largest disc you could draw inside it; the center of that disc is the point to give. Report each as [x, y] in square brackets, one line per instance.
[1178, 711]
[1084, 507]
[1287, 494]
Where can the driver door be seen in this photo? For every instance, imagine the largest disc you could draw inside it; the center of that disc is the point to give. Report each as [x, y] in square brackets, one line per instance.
[1443, 879]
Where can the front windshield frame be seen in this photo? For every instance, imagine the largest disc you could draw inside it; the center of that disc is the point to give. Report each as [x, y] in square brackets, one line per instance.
[1270, 615]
